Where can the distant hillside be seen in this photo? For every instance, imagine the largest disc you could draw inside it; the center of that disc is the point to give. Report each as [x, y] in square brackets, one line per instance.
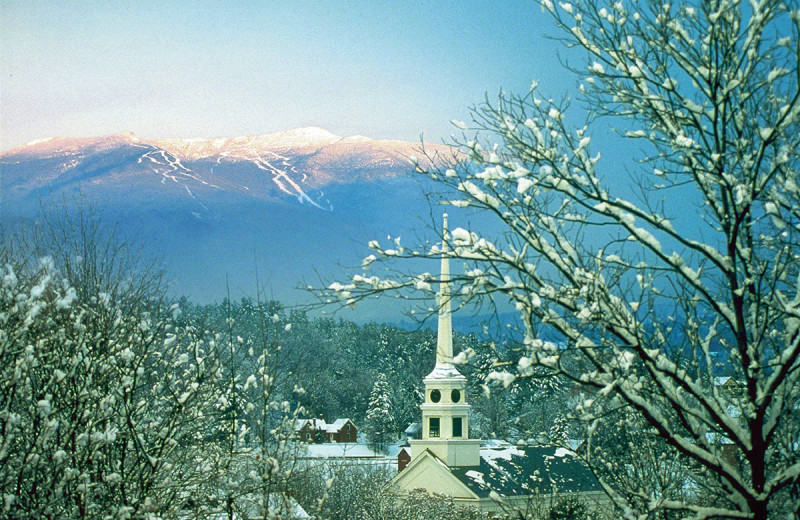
[286, 205]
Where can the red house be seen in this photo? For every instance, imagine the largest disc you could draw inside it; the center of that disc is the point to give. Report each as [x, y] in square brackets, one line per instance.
[403, 459]
[342, 430]
[318, 431]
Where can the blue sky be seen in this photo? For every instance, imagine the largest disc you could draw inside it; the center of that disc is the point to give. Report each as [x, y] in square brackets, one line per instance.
[204, 69]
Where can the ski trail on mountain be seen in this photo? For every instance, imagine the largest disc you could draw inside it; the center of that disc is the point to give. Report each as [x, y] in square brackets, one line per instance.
[194, 197]
[280, 176]
[177, 166]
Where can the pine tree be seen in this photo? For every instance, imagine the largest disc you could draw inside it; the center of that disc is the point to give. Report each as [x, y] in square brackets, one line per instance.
[380, 425]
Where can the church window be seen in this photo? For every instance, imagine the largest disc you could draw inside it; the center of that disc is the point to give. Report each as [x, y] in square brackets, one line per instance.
[433, 427]
[457, 429]
[436, 396]
[455, 396]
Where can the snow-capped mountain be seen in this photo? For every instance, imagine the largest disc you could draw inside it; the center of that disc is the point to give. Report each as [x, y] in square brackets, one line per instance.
[284, 204]
[297, 163]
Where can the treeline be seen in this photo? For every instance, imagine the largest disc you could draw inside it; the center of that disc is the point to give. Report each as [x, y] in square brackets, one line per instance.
[344, 368]
[116, 399]
[335, 362]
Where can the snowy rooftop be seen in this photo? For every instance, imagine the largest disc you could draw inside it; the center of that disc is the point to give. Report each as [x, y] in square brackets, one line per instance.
[512, 470]
[279, 504]
[414, 430]
[320, 424]
[394, 449]
[337, 425]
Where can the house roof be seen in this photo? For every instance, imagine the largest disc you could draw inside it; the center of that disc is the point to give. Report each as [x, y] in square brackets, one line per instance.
[727, 381]
[279, 503]
[320, 424]
[393, 449]
[524, 470]
[337, 425]
[414, 429]
[314, 424]
[286, 505]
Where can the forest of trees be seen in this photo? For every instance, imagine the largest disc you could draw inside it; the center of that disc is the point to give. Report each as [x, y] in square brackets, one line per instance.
[117, 399]
[347, 369]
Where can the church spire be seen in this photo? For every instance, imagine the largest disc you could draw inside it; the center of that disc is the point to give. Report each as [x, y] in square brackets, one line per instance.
[444, 340]
[445, 412]
[444, 336]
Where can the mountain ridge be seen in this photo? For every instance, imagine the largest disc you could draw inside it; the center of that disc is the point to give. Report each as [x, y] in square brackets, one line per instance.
[292, 205]
[291, 162]
[200, 147]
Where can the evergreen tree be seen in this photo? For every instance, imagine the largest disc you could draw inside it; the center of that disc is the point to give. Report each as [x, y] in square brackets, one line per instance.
[380, 424]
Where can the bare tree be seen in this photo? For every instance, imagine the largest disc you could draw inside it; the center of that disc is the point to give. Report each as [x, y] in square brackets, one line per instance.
[114, 404]
[102, 389]
[251, 462]
[643, 306]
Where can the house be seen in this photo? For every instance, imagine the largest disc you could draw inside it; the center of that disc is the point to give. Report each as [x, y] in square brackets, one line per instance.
[730, 387]
[318, 431]
[310, 430]
[414, 431]
[342, 430]
[445, 460]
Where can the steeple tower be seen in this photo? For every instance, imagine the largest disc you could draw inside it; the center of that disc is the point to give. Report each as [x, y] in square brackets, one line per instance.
[444, 336]
[445, 412]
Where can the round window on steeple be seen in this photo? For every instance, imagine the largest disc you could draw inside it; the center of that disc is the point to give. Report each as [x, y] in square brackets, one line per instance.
[436, 396]
[455, 396]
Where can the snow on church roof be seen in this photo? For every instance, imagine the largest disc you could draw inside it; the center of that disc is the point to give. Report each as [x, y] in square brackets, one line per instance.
[524, 470]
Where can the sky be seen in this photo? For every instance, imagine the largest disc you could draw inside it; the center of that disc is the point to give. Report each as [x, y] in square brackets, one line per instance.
[399, 69]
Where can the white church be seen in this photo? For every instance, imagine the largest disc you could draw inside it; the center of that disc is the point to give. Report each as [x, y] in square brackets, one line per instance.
[491, 477]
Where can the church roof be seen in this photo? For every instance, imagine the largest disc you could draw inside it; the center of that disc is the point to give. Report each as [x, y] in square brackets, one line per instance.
[524, 470]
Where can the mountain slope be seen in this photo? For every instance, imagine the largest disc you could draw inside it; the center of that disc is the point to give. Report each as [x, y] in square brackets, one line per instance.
[286, 205]
[266, 167]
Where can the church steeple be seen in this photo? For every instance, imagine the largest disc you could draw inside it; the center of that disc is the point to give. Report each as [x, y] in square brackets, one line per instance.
[444, 339]
[444, 336]
[445, 412]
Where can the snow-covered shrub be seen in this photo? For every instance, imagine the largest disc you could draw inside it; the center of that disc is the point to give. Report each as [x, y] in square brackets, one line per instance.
[114, 404]
[101, 392]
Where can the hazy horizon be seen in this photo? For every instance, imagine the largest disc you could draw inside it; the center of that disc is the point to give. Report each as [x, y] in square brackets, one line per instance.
[213, 69]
